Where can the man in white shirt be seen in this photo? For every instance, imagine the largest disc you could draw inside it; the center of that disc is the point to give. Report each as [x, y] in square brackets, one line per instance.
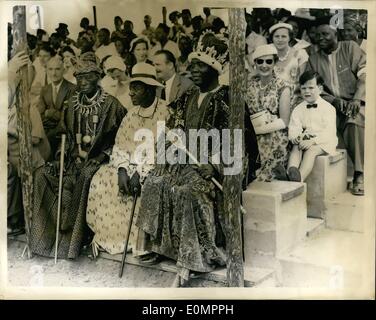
[175, 84]
[105, 48]
[162, 42]
[187, 21]
[209, 18]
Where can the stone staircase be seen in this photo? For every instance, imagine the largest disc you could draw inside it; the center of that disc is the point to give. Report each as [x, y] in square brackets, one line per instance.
[297, 234]
[311, 234]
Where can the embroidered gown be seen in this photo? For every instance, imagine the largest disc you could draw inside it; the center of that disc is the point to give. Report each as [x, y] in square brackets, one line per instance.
[77, 177]
[181, 211]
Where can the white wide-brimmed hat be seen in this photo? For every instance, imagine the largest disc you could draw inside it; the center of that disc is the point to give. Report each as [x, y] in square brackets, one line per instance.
[280, 25]
[145, 73]
[114, 62]
[264, 50]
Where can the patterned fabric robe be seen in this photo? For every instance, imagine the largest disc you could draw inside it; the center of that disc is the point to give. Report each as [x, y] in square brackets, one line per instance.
[76, 183]
[108, 212]
[182, 212]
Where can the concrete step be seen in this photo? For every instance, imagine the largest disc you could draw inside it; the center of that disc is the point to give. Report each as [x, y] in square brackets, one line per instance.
[331, 259]
[314, 226]
[275, 219]
[252, 276]
[345, 212]
[328, 178]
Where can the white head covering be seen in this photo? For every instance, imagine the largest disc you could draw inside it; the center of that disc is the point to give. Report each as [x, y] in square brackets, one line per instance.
[143, 38]
[114, 62]
[145, 73]
[264, 50]
[280, 25]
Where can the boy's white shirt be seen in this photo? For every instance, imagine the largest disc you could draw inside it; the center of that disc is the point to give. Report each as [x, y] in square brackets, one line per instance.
[320, 121]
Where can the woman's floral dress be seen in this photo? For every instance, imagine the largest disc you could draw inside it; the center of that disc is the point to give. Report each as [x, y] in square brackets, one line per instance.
[273, 146]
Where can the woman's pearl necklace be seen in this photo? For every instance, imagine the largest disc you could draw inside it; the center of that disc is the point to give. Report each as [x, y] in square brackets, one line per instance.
[286, 55]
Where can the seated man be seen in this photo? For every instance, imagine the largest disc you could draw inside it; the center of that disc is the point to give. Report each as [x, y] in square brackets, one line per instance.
[342, 65]
[108, 215]
[90, 122]
[52, 99]
[181, 210]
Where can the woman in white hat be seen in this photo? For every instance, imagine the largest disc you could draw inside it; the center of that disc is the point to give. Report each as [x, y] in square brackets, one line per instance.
[268, 98]
[139, 49]
[116, 82]
[114, 185]
[291, 61]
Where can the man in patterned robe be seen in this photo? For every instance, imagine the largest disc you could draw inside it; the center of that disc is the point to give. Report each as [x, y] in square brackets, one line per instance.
[90, 123]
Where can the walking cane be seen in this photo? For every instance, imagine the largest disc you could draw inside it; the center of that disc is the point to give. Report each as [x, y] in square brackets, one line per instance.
[128, 235]
[181, 146]
[63, 136]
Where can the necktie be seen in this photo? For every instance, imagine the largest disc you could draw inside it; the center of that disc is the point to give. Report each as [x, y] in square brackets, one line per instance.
[163, 93]
[54, 94]
[313, 105]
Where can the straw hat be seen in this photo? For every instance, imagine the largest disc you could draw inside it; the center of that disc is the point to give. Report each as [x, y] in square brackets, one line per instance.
[145, 73]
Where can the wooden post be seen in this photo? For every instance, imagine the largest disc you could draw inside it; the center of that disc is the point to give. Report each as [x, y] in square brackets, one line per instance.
[164, 15]
[232, 184]
[95, 15]
[23, 119]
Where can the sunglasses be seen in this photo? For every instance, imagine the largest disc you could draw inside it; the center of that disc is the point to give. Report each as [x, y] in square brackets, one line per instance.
[261, 61]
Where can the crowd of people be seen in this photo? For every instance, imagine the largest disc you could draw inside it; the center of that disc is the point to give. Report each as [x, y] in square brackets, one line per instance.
[305, 96]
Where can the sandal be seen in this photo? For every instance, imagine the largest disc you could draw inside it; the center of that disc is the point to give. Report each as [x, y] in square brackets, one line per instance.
[357, 189]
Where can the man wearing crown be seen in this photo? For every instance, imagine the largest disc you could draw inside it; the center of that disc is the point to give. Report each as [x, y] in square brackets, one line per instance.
[181, 210]
[90, 123]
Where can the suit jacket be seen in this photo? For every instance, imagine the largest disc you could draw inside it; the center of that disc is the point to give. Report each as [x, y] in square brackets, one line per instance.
[179, 86]
[66, 90]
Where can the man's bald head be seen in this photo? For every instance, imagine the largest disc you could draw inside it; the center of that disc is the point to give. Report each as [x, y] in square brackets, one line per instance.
[55, 69]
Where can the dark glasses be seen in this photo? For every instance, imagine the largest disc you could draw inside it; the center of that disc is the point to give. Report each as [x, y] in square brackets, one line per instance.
[261, 61]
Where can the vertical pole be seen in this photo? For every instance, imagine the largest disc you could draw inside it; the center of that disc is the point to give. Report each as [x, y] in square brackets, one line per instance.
[23, 119]
[95, 15]
[164, 15]
[232, 184]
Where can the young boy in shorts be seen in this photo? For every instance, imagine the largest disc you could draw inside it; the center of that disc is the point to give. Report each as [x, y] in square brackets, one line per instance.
[312, 128]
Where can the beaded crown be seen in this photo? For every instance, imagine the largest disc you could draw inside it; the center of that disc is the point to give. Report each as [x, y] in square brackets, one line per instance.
[210, 54]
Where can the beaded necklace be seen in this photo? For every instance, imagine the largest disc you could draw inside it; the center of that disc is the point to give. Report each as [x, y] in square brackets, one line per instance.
[87, 108]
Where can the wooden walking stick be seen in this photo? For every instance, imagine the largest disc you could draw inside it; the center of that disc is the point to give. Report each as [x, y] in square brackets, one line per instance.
[63, 136]
[23, 121]
[179, 144]
[128, 235]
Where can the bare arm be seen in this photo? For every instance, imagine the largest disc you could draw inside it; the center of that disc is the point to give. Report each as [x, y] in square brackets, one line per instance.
[284, 105]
